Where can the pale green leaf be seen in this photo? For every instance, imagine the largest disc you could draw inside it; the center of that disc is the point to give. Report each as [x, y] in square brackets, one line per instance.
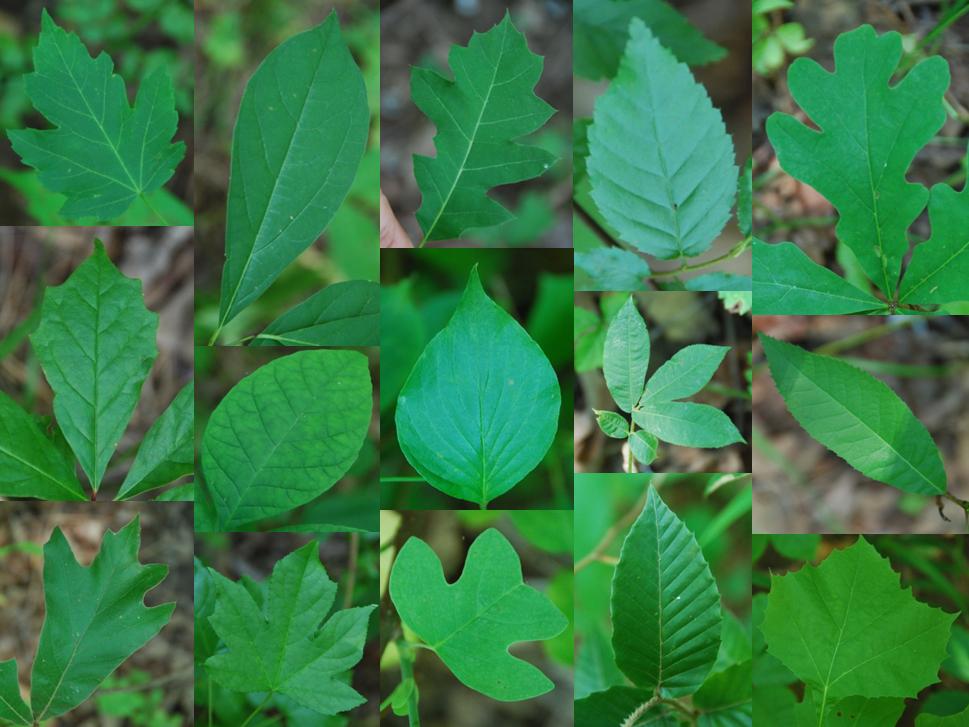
[940, 265]
[595, 665]
[952, 720]
[342, 314]
[626, 356]
[612, 268]
[12, 705]
[612, 424]
[550, 530]
[687, 424]
[644, 446]
[689, 370]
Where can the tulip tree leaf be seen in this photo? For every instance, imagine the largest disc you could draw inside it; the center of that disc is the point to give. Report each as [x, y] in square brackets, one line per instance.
[12, 706]
[479, 115]
[660, 160]
[342, 314]
[870, 131]
[104, 153]
[283, 643]
[857, 417]
[285, 434]
[472, 622]
[96, 344]
[298, 140]
[481, 406]
[626, 356]
[666, 610]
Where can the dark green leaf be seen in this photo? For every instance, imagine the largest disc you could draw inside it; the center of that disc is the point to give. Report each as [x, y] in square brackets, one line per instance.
[940, 265]
[342, 314]
[12, 705]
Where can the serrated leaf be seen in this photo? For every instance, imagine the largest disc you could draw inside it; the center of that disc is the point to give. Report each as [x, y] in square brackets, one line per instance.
[96, 344]
[30, 465]
[298, 140]
[857, 417]
[12, 705]
[644, 446]
[95, 618]
[342, 314]
[479, 115]
[611, 707]
[687, 424]
[672, 195]
[788, 282]
[665, 606]
[689, 370]
[612, 424]
[626, 356]
[286, 644]
[940, 265]
[285, 434]
[480, 408]
[168, 449]
[952, 720]
[471, 623]
[104, 153]
[870, 131]
[612, 268]
[841, 626]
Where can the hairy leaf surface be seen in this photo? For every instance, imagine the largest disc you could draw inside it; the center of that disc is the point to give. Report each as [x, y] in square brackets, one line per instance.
[940, 265]
[12, 705]
[687, 424]
[342, 314]
[626, 356]
[96, 344]
[611, 707]
[472, 622]
[685, 374]
[612, 268]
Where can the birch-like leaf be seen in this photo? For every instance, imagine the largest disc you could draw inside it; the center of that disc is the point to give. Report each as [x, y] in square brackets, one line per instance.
[479, 116]
[96, 344]
[342, 314]
[870, 131]
[857, 417]
[939, 269]
[660, 160]
[626, 356]
[298, 140]
[104, 153]
[612, 268]
[13, 709]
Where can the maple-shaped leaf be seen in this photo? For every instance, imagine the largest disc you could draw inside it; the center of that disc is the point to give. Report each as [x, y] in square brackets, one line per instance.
[870, 131]
[490, 103]
[276, 643]
[104, 153]
[472, 622]
[940, 266]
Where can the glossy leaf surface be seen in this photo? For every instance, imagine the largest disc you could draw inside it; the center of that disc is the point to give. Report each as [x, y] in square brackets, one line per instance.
[342, 314]
[940, 266]
[626, 356]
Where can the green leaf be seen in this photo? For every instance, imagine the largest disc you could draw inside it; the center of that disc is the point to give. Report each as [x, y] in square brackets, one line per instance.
[687, 424]
[30, 465]
[205, 592]
[342, 314]
[595, 667]
[286, 434]
[662, 173]
[719, 281]
[644, 446]
[550, 530]
[481, 406]
[490, 103]
[862, 712]
[471, 623]
[857, 417]
[612, 268]
[401, 329]
[612, 424]
[869, 134]
[298, 140]
[952, 720]
[104, 153]
[286, 644]
[611, 707]
[12, 705]
[796, 547]
[626, 356]
[96, 344]
[95, 618]
[745, 196]
[665, 605]
[774, 704]
[168, 449]
[843, 626]
[957, 662]
[940, 265]
[601, 28]
[179, 493]
[788, 282]
[725, 698]
[685, 374]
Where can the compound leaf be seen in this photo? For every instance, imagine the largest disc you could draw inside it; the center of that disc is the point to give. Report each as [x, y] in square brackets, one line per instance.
[869, 134]
[298, 140]
[275, 643]
[857, 417]
[687, 424]
[285, 434]
[841, 627]
[342, 314]
[96, 344]
[666, 612]
[472, 622]
[95, 618]
[612, 424]
[612, 268]
[660, 160]
[490, 103]
[626, 356]
[481, 406]
[104, 154]
[12, 705]
[940, 265]
[685, 374]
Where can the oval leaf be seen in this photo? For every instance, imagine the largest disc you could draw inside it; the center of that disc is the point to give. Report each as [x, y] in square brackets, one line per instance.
[612, 424]
[626, 356]
[685, 374]
[342, 314]
[687, 424]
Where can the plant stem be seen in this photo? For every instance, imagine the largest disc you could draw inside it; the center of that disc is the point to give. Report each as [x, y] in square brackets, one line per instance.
[964, 504]
[352, 569]
[407, 672]
[640, 711]
[258, 709]
[612, 533]
[733, 252]
[629, 443]
[215, 335]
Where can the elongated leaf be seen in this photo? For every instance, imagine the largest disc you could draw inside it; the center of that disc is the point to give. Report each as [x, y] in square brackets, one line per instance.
[30, 465]
[285, 434]
[661, 162]
[96, 344]
[168, 449]
[95, 618]
[940, 265]
[665, 606]
[643, 445]
[12, 705]
[687, 424]
[842, 626]
[490, 103]
[685, 374]
[471, 623]
[788, 282]
[857, 417]
[626, 356]
[612, 268]
[342, 314]
[612, 424]
[481, 406]
[277, 644]
[869, 133]
[298, 140]
[104, 154]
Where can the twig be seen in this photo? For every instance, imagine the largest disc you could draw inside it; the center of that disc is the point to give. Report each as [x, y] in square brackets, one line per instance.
[612, 533]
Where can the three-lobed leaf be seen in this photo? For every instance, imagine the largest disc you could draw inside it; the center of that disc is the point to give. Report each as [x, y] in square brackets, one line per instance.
[342, 314]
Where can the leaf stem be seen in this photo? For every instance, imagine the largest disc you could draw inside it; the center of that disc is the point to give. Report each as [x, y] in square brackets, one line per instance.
[964, 504]
[733, 252]
[612, 533]
[258, 709]
[629, 445]
[407, 672]
[640, 711]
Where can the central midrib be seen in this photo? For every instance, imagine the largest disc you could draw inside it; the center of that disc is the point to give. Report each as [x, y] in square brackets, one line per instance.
[474, 618]
[37, 469]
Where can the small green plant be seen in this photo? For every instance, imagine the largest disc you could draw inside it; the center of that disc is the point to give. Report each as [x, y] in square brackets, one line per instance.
[774, 41]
